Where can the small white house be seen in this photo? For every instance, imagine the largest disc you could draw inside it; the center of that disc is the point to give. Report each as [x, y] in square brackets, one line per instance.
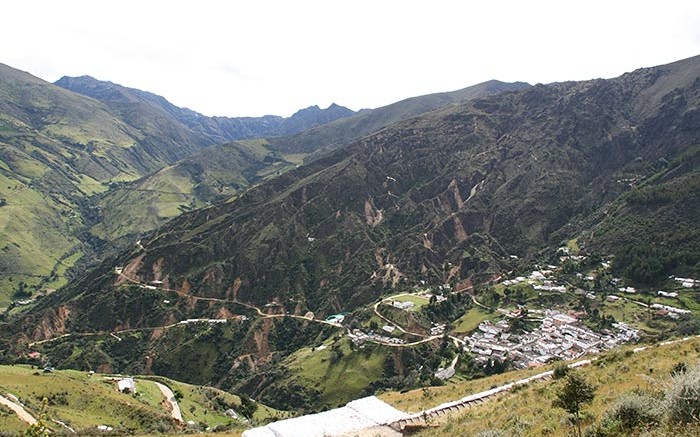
[126, 385]
[388, 328]
[403, 305]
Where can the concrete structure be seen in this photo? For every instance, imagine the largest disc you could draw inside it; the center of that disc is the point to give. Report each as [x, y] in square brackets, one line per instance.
[355, 416]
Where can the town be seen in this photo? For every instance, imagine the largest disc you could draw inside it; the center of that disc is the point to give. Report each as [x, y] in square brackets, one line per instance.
[560, 336]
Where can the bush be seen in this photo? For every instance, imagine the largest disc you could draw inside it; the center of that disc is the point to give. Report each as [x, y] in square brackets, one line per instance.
[560, 371]
[682, 402]
[634, 410]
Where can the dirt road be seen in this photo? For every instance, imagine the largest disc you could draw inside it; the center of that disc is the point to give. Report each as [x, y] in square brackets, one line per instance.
[23, 414]
[170, 397]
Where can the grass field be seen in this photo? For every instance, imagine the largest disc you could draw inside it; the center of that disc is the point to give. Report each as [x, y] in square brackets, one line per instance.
[340, 381]
[418, 301]
[84, 400]
[471, 319]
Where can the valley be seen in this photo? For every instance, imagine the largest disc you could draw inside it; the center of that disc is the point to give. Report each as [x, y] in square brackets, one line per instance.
[436, 259]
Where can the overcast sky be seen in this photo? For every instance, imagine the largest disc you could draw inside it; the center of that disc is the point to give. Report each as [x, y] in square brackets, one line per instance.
[255, 57]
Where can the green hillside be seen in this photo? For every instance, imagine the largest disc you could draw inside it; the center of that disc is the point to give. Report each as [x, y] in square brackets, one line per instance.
[529, 411]
[83, 401]
[59, 150]
[56, 149]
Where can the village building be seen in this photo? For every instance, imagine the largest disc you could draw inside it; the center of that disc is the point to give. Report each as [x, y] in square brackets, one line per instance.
[403, 305]
[126, 385]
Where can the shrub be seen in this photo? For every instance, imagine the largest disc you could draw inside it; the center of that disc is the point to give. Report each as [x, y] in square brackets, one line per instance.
[678, 368]
[682, 402]
[635, 410]
[560, 371]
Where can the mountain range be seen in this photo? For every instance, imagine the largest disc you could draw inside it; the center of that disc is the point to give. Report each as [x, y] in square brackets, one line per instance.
[449, 191]
[62, 144]
[445, 197]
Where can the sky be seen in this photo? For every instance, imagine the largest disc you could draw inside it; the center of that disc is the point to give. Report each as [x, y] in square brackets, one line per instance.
[256, 57]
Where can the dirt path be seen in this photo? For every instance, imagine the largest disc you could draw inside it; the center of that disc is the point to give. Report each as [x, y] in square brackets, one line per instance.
[170, 397]
[23, 414]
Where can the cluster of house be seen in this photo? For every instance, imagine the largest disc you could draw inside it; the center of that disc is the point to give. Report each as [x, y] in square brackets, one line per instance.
[687, 282]
[437, 329]
[538, 280]
[559, 337]
[359, 337]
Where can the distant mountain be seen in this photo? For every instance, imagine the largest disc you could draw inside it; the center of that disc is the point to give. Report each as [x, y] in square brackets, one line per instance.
[59, 149]
[446, 197]
[324, 139]
[218, 172]
[216, 129]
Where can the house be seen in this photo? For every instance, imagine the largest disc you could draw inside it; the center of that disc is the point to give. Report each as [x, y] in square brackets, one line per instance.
[126, 385]
[336, 318]
[403, 305]
[388, 328]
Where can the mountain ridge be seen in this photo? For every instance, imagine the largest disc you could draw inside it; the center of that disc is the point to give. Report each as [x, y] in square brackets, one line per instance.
[465, 187]
[218, 129]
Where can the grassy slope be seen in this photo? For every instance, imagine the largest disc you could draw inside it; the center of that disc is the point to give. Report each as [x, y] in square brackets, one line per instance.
[530, 410]
[215, 173]
[85, 401]
[341, 381]
[51, 144]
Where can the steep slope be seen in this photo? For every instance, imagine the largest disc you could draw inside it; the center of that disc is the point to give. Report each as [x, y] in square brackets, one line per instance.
[218, 172]
[215, 129]
[326, 138]
[215, 173]
[56, 148]
[446, 197]
[59, 148]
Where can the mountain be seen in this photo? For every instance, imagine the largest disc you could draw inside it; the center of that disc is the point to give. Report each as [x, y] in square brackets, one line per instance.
[445, 198]
[59, 150]
[218, 172]
[235, 294]
[329, 137]
[217, 129]
[212, 174]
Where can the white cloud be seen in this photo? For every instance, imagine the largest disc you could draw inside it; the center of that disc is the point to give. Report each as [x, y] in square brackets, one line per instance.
[259, 57]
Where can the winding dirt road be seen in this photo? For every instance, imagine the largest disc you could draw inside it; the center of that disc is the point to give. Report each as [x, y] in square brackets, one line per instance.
[170, 397]
[19, 410]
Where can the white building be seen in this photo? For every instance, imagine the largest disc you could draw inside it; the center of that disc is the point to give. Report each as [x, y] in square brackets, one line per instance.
[357, 415]
[126, 385]
[403, 305]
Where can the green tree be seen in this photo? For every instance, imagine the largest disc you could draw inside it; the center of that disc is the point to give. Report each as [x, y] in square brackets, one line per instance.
[575, 393]
[248, 406]
[178, 394]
